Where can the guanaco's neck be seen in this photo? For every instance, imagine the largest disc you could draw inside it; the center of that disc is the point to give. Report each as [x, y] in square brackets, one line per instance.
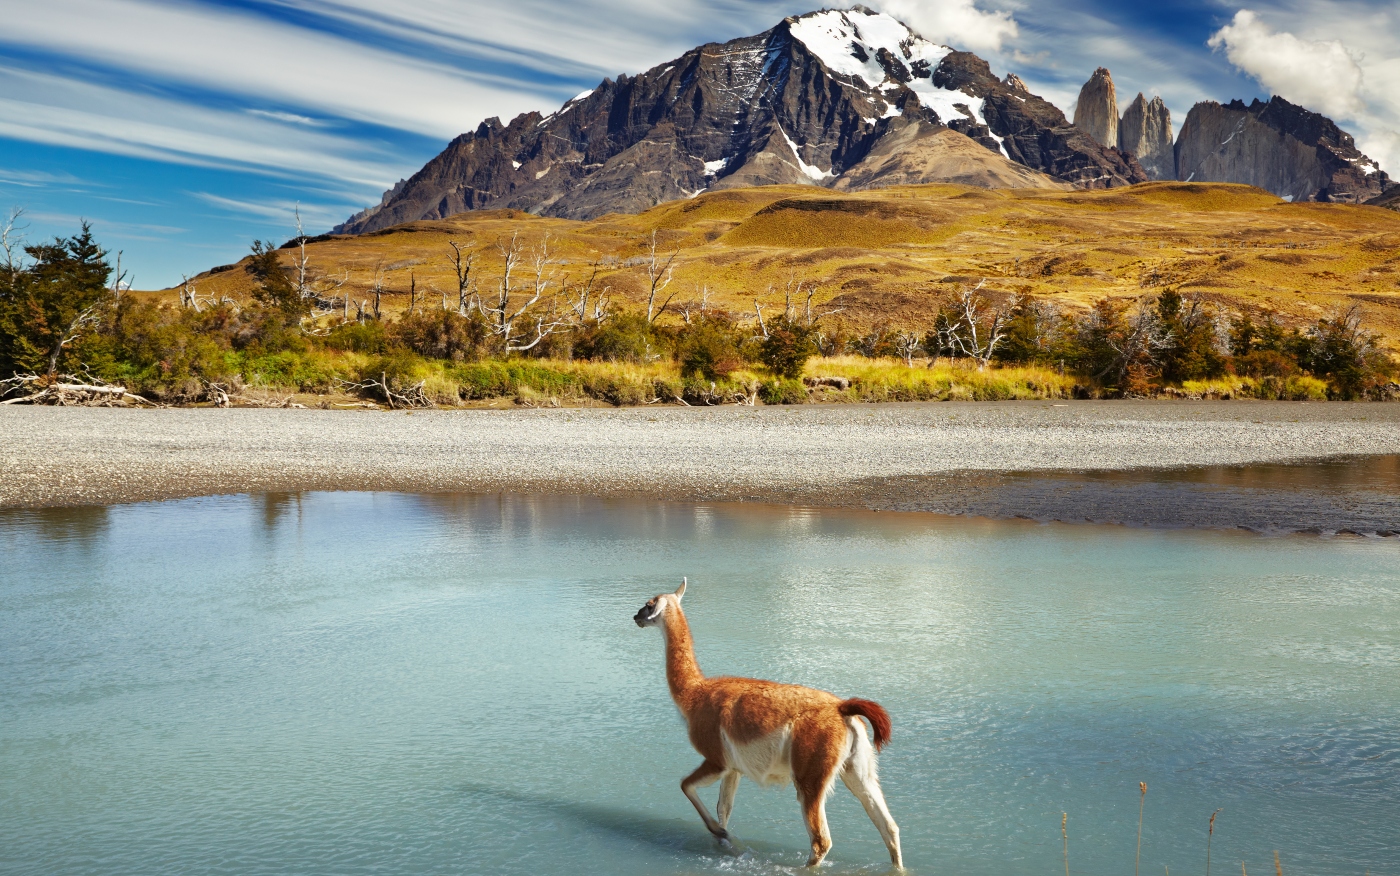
[682, 672]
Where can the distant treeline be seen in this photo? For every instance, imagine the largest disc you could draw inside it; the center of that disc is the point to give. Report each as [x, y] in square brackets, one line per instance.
[62, 312]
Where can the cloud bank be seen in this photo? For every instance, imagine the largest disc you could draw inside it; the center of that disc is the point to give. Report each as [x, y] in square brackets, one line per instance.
[1319, 74]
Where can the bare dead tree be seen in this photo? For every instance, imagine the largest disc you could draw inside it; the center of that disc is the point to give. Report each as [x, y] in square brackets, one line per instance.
[120, 278]
[506, 314]
[762, 326]
[301, 263]
[462, 265]
[12, 239]
[412, 291]
[971, 337]
[906, 344]
[580, 306]
[378, 287]
[703, 308]
[659, 276]
[87, 318]
[188, 293]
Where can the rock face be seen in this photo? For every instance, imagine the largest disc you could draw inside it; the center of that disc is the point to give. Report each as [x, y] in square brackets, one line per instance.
[921, 151]
[802, 103]
[1145, 132]
[1296, 154]
[1097, 111]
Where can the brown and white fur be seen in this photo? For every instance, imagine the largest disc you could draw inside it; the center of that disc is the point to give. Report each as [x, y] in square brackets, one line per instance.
[771, 733]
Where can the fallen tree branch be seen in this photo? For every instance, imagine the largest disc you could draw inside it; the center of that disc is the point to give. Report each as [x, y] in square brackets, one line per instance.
[66, 389]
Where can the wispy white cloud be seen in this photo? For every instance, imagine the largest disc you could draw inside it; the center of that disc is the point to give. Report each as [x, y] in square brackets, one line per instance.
[263, 59]
[67, 112]
[282, 211]
[37, 178]
[289, 118]
[958, 23]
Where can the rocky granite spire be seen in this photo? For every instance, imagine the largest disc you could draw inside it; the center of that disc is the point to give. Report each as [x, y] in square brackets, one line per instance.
[1297, 154]
[1097, 112]
[1145, 132]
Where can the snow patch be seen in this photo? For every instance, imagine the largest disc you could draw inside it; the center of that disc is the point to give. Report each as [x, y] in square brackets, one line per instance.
[515, 164]
[814, 173]
[541, 173]
[840, 39]
[712, 168]
[580, 96]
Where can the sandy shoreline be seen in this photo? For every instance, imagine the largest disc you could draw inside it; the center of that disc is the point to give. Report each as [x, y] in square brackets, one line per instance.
[993, 459]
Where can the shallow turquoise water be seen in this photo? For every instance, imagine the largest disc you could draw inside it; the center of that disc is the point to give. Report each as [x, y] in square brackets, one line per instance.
[373, 683]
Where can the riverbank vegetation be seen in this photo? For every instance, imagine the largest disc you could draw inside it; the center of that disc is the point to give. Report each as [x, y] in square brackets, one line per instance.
[528, 335]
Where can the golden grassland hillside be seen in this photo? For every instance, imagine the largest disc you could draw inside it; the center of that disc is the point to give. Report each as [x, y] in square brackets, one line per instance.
[894, 255]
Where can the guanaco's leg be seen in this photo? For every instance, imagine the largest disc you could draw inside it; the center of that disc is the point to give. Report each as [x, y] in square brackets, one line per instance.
[728, 785]
[705, 774]
[818, 747]
[861, 778]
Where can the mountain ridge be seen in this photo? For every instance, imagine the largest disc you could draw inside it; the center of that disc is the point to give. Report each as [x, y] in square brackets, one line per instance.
[801, 103]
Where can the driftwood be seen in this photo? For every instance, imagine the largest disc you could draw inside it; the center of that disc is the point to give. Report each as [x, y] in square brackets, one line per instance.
[66, 389]
[412, 397]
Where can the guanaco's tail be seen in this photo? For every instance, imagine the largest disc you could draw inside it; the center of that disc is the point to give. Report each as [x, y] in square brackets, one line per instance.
[871, 711]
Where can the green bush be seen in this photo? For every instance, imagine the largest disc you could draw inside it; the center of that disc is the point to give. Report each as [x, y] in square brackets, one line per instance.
[787, 347]
[626, 337]
[444, 334]
[783, 392]
[709, 347]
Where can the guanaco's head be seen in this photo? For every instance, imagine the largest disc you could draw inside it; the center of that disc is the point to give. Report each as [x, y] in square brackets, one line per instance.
[654, 612]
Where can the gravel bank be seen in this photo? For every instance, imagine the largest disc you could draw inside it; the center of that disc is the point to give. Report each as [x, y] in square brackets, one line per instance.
[995, 459]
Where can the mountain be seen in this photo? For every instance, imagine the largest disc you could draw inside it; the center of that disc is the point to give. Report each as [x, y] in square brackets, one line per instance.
[1145, 132]
[1097, 109]
[1297, 154]
[807, 102]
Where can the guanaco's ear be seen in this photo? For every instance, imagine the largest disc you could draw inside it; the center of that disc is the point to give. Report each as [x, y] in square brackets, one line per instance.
[680, 591]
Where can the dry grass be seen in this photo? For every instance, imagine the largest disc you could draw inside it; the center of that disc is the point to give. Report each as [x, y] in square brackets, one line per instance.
[894, 254]
[879, 380]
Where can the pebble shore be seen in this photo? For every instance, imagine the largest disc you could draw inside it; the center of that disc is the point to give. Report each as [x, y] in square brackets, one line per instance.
[995, 459]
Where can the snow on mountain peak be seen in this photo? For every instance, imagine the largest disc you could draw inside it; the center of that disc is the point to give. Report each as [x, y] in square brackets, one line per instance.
[881, 51]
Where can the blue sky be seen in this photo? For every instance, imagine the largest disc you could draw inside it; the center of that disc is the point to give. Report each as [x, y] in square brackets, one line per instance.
[184, 129]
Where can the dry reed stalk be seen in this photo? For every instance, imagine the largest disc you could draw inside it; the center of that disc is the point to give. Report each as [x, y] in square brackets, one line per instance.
[1064, 819]
[1210, 832]
[1142, 786]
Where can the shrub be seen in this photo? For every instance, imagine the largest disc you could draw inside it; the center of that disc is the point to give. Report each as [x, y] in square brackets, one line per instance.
[783, 392]
[369, 337]
[626, 337]
[709, 347]
[787, 347]
[443, 334]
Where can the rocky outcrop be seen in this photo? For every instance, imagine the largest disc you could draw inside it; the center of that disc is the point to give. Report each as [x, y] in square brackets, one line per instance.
[1097, 110]
[922, 151]
[803, 103]
[1297, 154]
[1145, 132]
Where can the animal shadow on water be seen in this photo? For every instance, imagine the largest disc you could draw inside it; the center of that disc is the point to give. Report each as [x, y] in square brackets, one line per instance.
[677, 836]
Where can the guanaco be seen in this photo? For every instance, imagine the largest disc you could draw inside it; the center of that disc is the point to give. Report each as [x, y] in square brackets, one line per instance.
[771, 733]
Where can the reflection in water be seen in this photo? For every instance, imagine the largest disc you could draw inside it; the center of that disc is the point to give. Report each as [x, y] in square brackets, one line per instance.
[83, 525]
[275, 507]
[366, 683]
[1380, 473]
